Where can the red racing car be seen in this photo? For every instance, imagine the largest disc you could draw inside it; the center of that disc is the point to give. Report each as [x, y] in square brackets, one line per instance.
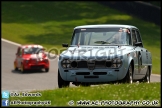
[31, 57]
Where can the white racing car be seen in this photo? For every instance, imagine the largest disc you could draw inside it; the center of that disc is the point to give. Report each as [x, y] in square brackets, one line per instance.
[103, 54]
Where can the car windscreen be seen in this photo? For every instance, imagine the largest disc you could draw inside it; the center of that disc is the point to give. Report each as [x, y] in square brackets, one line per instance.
[101, 36]
[32, 50]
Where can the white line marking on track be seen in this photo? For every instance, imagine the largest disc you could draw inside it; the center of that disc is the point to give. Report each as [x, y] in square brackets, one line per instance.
[156, 75]
[14, 43]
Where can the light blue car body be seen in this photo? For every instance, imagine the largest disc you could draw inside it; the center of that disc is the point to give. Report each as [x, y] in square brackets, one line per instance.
[128, 54]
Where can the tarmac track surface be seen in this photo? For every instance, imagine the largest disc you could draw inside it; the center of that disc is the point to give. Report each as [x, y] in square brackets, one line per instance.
[37, 80]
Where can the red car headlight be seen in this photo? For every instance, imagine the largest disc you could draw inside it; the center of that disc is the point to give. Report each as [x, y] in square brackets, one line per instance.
[46, 60]
[26, 61]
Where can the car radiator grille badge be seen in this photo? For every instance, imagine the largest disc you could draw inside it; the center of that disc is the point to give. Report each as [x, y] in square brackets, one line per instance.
[91, 64]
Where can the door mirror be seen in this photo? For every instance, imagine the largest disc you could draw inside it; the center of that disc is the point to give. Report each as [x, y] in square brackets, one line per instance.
[138, 44]
[17, 54]
[65, 45]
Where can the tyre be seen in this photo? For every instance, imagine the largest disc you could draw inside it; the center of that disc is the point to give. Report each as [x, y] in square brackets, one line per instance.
[15, 67]
[61, 82]
[47, 70]
[129, 76]
[147, 76]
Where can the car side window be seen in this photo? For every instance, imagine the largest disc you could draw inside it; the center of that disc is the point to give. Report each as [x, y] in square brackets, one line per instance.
[138, 37]
[20, 52]
[134, 39]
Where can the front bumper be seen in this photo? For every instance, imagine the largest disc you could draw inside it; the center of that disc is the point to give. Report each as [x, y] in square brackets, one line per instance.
[96, 75]
[38, 65]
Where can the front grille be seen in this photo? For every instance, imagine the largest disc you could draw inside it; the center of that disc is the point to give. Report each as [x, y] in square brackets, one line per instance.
[82, 73]
[33, 61]
[108, 63]
[36, 66]
[100, 63]
[99, 73]
[82, 64]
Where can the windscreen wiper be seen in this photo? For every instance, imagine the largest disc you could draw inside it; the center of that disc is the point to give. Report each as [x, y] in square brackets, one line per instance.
[102, 42]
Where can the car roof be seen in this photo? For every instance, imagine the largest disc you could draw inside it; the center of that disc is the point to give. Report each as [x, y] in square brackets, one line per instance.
[31, 45]
[105, 26]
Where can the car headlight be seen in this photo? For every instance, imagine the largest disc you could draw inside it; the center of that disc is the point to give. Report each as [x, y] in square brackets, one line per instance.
[116, 62]
[46, 60]
[26, 61]
[114, 65]
[66, 63]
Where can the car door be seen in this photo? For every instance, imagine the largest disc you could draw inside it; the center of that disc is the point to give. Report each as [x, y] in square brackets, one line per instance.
[134, 40]
[137, 59]
[16, 59]
[143, 54]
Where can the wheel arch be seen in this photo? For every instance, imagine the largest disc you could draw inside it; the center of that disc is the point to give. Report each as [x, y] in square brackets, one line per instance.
[130, 62]
[63, 75]
[139, 55]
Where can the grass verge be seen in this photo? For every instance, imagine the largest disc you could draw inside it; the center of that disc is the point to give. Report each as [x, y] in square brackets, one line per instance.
[143, 93]
[51, 23]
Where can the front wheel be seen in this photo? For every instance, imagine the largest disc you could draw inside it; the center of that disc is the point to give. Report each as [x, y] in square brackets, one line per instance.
[129, 76]
[47, 69]
[61, 82]
[22, 68]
